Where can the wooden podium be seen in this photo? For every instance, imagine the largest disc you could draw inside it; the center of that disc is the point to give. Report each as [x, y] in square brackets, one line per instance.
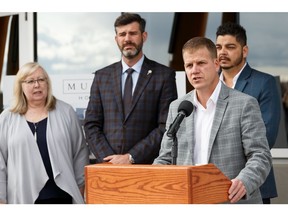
[155, 184]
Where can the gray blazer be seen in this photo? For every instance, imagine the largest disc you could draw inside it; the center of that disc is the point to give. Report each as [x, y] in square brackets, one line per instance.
[263, 87]
[238, 144]
[22, 171]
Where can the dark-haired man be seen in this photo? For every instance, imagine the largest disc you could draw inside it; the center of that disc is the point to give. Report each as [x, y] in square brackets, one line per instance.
[125, 123]
[232, 51]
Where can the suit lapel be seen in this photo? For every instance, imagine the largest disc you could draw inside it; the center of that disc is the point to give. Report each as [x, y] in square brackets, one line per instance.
[242, 80]
[219, 114]
[143, 79]
[116, 76]
[190, 125]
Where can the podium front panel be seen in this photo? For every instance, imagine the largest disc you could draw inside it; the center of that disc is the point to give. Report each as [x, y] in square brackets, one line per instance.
[137, 184]
[154, 184]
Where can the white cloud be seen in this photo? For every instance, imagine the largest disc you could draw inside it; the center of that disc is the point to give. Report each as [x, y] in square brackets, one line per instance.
[76, 41]
[84, 42]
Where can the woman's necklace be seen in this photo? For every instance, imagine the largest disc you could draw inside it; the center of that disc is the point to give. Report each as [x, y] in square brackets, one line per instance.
[35, 130]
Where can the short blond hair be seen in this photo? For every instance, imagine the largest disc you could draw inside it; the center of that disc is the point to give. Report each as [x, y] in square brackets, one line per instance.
[200, 42]
[20, 104]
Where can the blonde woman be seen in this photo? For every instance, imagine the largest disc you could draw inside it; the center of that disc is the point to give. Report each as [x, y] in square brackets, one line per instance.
[42, 147]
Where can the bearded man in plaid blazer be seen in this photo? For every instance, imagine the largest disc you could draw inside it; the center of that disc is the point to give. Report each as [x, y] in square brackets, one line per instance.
[134, 137]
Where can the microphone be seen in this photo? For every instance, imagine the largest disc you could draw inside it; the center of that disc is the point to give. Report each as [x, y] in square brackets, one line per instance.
[184, 110]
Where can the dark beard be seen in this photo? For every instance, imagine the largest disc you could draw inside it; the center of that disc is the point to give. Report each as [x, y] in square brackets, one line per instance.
[130, 54]
[238, 61]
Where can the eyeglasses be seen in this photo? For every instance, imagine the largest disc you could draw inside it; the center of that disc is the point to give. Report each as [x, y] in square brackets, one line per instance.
[32, 82]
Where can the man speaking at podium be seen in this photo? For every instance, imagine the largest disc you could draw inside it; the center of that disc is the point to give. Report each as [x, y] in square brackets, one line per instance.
[225, 127]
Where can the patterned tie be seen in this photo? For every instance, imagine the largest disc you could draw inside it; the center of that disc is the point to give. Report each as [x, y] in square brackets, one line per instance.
[127, 98]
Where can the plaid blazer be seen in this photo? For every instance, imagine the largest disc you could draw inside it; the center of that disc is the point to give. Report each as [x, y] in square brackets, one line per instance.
[263, 87]
[140, 133]
[237, 146]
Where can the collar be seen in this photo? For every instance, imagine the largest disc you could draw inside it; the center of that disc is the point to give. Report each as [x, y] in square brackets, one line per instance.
[136, 67]
[213, 98]
[235, 78]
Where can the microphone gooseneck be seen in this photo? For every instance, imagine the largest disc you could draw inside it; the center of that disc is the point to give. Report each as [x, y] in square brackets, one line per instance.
[185, 109]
